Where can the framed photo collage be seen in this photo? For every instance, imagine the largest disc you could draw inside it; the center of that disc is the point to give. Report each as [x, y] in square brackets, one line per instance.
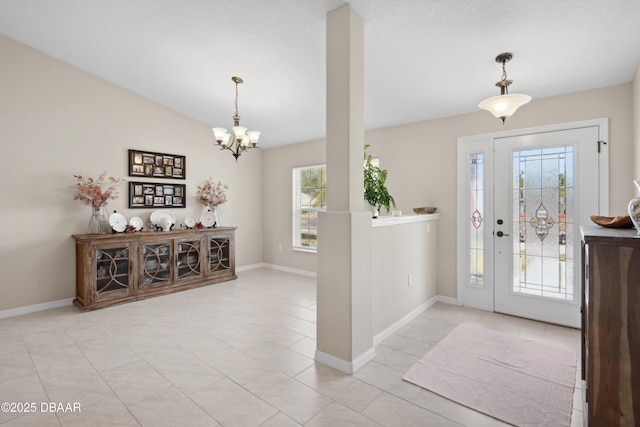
[146, 164]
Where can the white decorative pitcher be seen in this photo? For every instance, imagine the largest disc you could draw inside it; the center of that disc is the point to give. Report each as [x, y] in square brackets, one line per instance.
[165, 223]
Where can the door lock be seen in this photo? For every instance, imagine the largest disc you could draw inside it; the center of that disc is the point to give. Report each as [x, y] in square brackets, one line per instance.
[500, 234]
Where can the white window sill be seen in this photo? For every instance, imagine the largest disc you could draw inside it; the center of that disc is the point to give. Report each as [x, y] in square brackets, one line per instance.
[305, 249]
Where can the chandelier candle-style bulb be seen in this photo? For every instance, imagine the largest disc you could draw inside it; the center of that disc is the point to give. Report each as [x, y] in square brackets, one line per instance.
[505, 104]
[240, 140]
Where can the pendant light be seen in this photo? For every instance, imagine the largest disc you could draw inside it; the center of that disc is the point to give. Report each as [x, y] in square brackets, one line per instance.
[505, 104]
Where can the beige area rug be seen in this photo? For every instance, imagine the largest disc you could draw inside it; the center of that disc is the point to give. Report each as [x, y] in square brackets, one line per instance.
[516, 380]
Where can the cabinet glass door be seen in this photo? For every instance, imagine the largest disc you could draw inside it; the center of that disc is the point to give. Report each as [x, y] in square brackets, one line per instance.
[219, 254]
[112, 272]
[188, 259]
[156, 265]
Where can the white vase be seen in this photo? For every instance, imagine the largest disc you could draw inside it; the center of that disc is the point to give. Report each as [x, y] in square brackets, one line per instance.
[634, 208]
[217, 210]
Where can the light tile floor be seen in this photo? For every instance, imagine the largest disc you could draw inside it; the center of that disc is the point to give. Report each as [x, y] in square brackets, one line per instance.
[233, 354]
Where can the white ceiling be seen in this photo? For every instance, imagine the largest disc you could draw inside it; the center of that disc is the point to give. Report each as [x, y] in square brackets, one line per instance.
[424, 58]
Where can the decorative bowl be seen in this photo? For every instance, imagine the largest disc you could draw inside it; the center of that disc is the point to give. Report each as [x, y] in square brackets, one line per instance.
[424, 210]
[613, 222]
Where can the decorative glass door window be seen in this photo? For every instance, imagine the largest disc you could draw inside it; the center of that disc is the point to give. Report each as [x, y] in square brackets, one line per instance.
[543, 191]
[476, 226]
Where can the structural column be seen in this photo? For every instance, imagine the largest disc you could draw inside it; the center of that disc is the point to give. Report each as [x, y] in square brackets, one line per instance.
[344, 323]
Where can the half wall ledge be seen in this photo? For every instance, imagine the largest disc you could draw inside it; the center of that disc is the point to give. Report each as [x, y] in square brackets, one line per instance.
[385, 221]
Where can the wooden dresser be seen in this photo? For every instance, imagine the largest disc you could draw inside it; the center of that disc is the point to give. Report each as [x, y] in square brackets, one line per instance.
[611, 326]
[116, 268]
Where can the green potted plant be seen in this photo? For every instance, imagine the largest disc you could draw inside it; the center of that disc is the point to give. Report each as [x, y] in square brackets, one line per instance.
[375, 190]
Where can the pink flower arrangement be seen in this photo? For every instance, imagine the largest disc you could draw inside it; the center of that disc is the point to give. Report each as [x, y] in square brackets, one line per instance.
[94, 192]
[211, 193]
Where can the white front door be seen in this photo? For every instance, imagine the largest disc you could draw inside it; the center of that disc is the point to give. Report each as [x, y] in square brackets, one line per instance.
[522, 227]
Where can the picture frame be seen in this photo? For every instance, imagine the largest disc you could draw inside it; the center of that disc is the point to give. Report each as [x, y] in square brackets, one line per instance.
[149, 164]
[156, 195]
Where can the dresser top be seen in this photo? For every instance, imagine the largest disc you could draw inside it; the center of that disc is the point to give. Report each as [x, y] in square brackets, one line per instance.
[595, 234]
[152, 234]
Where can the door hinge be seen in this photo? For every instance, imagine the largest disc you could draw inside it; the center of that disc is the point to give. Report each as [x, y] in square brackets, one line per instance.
[599, 144]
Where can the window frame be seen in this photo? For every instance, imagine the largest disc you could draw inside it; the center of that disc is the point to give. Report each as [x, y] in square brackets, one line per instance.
[298, 209]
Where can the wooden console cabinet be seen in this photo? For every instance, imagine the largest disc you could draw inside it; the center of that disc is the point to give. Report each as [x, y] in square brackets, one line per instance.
[611, 326]
[116, 268]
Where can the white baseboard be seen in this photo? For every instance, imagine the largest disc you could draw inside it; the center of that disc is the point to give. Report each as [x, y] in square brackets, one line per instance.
[352, 367]
[12, 312]
[378, 338]
[250, 267]
[343, 365]
[291, 270]
[446, 300]
[276, 267]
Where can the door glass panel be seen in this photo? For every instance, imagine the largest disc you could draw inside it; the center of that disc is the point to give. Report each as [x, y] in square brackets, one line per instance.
[476, 220]
[543, 217]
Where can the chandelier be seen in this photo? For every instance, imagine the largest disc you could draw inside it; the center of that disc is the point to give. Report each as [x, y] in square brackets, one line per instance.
[241, 139]
[505, 104]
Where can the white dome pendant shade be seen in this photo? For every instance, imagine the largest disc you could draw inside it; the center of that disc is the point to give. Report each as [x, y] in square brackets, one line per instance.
[505, 104]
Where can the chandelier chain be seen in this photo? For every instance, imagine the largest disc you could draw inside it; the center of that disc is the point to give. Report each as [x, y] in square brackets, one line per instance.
[237, 99]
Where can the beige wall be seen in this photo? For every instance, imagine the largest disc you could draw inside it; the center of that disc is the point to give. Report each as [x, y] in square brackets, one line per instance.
[278, 202]
[421, 160]
[57, 121]
[412, 249]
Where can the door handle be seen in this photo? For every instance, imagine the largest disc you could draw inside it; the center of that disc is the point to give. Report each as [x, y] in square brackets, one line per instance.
[500, 234]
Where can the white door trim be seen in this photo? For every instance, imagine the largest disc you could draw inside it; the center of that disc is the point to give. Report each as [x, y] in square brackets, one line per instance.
[484, 143]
